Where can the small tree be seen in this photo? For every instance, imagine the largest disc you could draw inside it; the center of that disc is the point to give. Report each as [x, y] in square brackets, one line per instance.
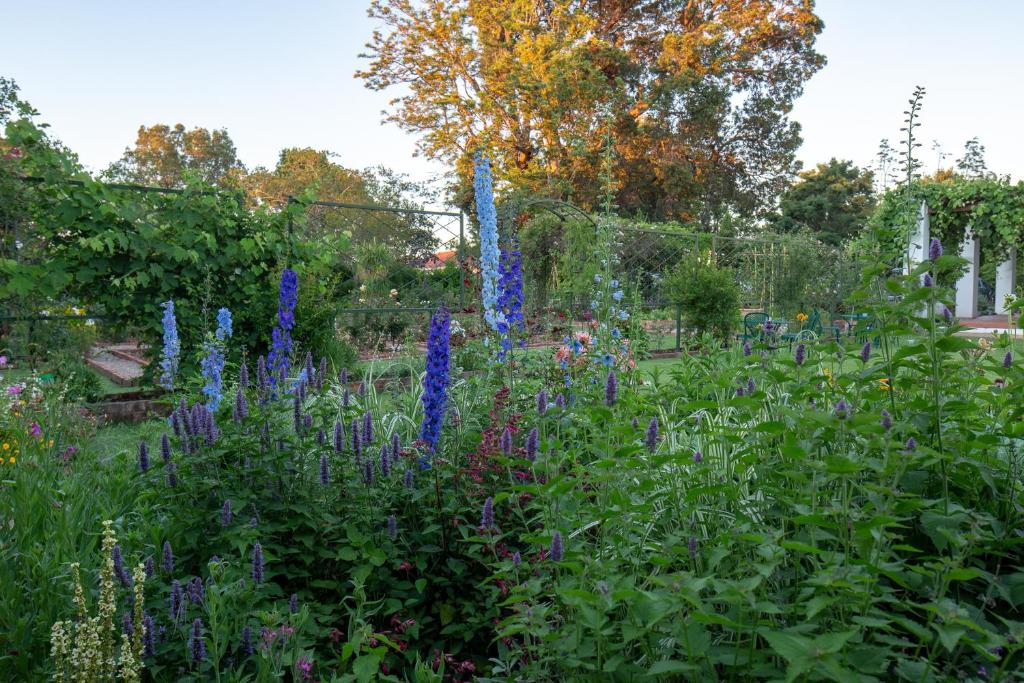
[708, 296]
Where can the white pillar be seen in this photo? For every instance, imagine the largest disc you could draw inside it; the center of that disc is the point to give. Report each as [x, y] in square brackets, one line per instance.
[917, 249]
[967, 285]
[1006, 281]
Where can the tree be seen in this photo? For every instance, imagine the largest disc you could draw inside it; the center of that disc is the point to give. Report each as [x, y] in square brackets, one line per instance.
[972, 163]
[833, 200]
[696, 95]
[163, 156]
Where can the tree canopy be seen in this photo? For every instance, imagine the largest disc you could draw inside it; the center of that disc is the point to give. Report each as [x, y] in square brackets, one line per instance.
[833, 200]
[696, 96]
[164, 155]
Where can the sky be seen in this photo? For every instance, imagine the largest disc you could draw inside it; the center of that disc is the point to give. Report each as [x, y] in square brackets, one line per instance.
[280, 75]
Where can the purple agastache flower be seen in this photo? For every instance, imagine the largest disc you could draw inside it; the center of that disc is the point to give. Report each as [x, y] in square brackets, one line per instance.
[321, 374]
[196, 591]
[408, 479]
[697, 457]
[368, 471]
[801, 354]
[176, 422]
[911, 445]
[281, 349]
[143, 456]
[243, 376]
[241, 410]
[148, 636]
[357, 445]
[635, 422]
[505, 441]
[947, 314]
[517, 559]
[165, 448]
[211, 427]
[652, 435]
[692, 547]
[542, 402]
[197, 643]
[308, 367]
[750, 385]
[368, 428]
[886, 420]
[343, 376]
[172, 475]
[842, 409]
[739, 392]
[487, 517]
[611, 388]
[246, 646]
[392, 527]
[339, 437]
[560, 401]
[176, 601]
[149, 566]
[396, 446]
[865, 351]
[934, 249]
[927, 281]
[1008, 360]
[435, 383]
[115, 554]
[126, 624]
[746, 348]
[225, 513]
[257, 563]
[385, 462]
[556, 550]
[293, 604]
[532, 439]
[361, 389]
[262, 379]
[307, 422]
[168, 558]
[321, 437]
[346, 398]
[297, 415]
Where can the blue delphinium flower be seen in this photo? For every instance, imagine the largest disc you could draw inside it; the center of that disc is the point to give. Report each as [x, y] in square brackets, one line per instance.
[435, 383]
[487, 215]
[213, 360]
[172, 348]
[223, 324]
[279, 357]
[510, 299]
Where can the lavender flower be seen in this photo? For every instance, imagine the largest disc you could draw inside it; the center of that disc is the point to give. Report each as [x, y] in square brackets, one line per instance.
[197, 643]
[505, 441]
[886, 420]
[652, 435]
[321, 437]
[801, 354]
[487, 216]
[435, 383]
[307, 422]
[531, 444]
[392, 527]
[339, 437]
[225, 513]
[934, 249]
[165, 448]
[148, 636]
[556, 550]
[115, 554]
[865, 351]
[293, 604]
[168, 558]
[280, 352]
[172, 475]
[487, 518]
[126, 624]
[611, 389]
[143, 456]
[542, 402]
[172, 347]
[257, 563]
[1008, 360]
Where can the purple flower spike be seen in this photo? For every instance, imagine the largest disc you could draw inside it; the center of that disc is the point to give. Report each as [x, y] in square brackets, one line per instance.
[557, 551]
[435, 382]
[396, 446]
[241, 410]
[115, 554]
[560, 401]
[357, 444]
[911, 445]
[651, 439]
[886, 420]
[611, 389]
[505, 441]
[339, 437]
[746, 348]
[750, 386]
[947, 314]
[246, 646]
[842, 409]
[225, 514]
[368, 471]
[368, 428]
[692, 547]
[172, 475]
[148, 636]
[1008, 360]
[385, 461]
[928, 281]
[865, 351]
[487, 518]
[697, 457]
[198, 644]
[934, 249]
[531, 444]
[168, 558]
[257, 563]
[542, 402]
[408, 479]
[293, 604]
[143, 456]
[243, 376]
[176, 601]
[321, 437]
[325, 471]
[392, 527]
[801, 354]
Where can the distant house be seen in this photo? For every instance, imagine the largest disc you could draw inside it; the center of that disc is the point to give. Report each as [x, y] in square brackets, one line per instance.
[439, 260]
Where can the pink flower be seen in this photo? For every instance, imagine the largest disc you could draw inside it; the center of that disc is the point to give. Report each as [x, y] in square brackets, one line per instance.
[3, 361]
[35, 429]
[14, 390]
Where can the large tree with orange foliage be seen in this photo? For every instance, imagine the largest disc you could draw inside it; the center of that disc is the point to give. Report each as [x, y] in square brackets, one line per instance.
[696, 93]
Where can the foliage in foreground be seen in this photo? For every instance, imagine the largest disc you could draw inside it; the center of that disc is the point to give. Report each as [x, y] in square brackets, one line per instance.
[824, 513]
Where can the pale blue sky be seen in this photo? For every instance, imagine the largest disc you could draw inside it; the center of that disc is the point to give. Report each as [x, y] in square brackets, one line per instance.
[279, 74]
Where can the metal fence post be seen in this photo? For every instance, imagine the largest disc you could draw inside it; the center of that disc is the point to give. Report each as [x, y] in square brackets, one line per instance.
[679, 328]
[462, 261]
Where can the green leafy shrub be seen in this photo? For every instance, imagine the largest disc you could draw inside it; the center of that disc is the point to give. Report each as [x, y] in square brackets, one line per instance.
[708, 296]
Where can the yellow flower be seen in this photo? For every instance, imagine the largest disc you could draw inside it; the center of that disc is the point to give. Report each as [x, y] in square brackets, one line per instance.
[50, 444]
[801, 317]
[7, 446]
[12, 460]
[883, 384]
